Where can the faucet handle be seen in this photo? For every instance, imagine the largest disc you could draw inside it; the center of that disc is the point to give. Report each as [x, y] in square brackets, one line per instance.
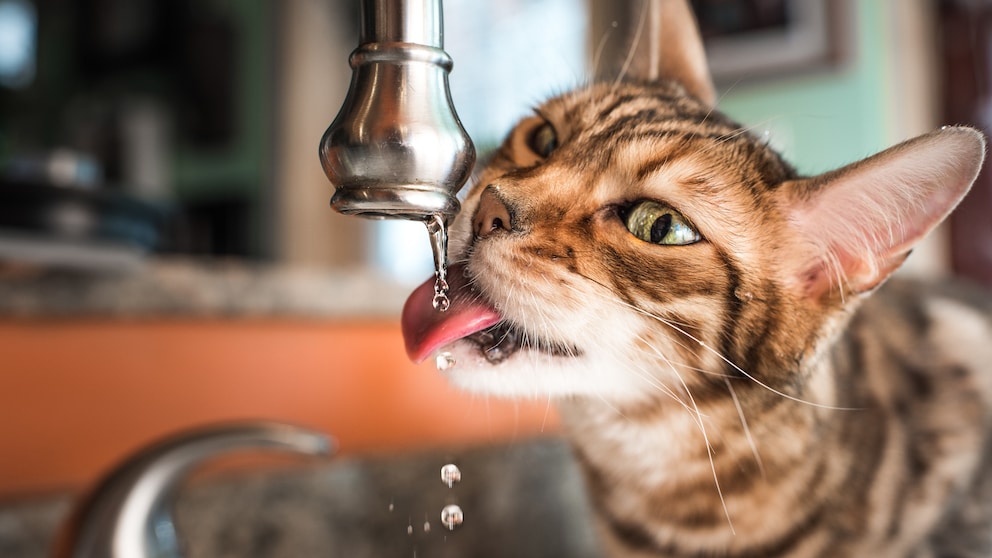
[397, 148]
[129, 512]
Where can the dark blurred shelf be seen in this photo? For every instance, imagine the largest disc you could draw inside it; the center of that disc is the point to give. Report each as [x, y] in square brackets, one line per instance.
[43, 250]
[94, 218]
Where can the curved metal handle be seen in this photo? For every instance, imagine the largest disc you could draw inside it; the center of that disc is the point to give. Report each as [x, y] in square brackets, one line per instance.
[128, 514]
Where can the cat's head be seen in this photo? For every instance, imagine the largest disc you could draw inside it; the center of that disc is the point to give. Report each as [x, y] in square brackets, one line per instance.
[629, 240]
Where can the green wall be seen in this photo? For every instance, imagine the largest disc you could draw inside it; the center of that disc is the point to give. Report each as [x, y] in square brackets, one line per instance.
[827, 118]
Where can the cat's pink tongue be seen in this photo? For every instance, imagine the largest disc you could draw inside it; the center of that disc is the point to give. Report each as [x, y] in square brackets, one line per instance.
[425, 330]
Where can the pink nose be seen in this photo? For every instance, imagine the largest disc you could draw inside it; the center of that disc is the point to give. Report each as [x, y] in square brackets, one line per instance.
[492, 216]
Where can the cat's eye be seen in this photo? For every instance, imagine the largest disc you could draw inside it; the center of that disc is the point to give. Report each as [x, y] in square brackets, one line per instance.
[658, 223]
[543, 140]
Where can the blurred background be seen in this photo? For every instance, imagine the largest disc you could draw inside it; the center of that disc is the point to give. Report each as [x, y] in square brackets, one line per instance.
[167, 254]
[186, 128]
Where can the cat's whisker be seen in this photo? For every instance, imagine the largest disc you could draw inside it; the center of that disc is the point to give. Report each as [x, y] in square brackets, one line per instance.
[720, 266]
[712, 351]
[602, 399]
[598, 56]
[698, 419]
[654, 350]
[693, 410]
[720, 99]
[742, 371]
[740, 132]
[545, 320]
[654, 382]
[629, 59]
[747, 429]
[709, 447]
[547, 411]
[696, 369]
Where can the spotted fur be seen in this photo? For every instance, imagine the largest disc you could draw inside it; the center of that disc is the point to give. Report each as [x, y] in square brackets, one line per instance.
[758, 393]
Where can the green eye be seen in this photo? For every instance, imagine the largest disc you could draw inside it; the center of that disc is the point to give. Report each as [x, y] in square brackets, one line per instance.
[658, 223]
[543, 140]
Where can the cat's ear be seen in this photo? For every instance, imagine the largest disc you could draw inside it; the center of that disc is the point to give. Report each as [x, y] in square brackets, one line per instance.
[849, 229]
[666, 45]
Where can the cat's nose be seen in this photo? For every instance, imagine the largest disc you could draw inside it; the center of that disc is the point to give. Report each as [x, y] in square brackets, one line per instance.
[492, 216]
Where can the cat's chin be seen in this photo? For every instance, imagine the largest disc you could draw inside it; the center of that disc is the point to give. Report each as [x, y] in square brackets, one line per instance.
[532, 372]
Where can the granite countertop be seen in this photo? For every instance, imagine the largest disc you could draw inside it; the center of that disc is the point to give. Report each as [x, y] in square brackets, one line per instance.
[521, 500]
[191, 287]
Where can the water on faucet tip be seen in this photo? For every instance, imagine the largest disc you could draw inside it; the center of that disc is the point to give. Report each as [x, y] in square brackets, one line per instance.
[439, 246]
[444, 361]
[452, 516]
[451, 475]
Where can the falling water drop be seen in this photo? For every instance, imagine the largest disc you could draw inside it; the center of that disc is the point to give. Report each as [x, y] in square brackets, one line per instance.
[444, 361]
[439, 246]
[409, 529]
[441, 302]
[427, 526]
[452, 516]
[451, 475]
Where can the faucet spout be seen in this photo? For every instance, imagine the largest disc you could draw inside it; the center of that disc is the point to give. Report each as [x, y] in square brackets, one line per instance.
[397, 148]
[129, 513]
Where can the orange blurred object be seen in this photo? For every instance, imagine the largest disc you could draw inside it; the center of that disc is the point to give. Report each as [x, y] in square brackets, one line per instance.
[78, 395]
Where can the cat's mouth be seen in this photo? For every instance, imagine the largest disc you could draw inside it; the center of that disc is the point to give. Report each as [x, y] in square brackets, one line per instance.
[469, 317]
[502, 340]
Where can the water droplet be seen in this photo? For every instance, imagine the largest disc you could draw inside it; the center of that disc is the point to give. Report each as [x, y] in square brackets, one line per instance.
[392, 506]
[444, 361]
[441, 302]
[452, 516]
[743, 295]
[427, 526]
[615, 24]
[409, 529]
[439, 246]
[451, 475]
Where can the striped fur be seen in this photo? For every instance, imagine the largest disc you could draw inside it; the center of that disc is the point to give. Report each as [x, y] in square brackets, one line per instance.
[755, 393]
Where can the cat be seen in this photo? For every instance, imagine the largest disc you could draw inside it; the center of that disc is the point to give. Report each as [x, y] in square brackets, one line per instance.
[734, 368]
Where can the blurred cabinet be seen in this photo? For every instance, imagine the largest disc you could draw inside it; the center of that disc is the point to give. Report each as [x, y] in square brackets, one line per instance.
[174, 101]
[967, 92]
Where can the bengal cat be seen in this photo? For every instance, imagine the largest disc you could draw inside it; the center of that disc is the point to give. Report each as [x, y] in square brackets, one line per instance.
[735, 370]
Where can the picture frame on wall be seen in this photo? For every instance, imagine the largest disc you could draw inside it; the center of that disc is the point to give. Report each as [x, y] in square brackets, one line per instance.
[748, 39]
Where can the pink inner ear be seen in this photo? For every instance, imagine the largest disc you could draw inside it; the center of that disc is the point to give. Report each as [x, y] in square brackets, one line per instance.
[857, 225]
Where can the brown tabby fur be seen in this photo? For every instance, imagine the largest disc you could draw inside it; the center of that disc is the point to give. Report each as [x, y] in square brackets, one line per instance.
[754, 394]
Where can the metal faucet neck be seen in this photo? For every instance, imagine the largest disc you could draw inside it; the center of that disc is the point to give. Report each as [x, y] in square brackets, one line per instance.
[402, 21]
[397, 148]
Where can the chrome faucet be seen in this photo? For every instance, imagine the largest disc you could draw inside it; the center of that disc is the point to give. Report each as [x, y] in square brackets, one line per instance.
[397, 149]
[129, 513]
